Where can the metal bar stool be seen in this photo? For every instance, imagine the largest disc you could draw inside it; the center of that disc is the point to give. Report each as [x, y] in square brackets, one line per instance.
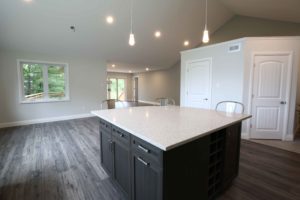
[230, 107]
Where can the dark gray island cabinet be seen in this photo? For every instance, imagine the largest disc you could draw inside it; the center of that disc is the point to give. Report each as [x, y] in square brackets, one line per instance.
[199, 168]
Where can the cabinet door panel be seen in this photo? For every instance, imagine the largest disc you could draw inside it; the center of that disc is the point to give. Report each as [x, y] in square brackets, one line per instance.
[106, 152]
[121, 163]
[147, 180]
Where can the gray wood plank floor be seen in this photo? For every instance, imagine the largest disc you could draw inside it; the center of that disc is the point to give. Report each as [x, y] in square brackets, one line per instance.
[61, 161]
[266, 173]
[53, 161]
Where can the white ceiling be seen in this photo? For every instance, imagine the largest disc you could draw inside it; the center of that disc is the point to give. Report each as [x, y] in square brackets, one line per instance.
[43, 26]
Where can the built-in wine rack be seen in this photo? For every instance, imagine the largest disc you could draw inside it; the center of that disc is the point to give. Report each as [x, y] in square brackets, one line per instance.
[216, 161]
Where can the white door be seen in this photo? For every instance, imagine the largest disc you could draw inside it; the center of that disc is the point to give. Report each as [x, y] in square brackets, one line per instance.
[198, 84]
[270, 96]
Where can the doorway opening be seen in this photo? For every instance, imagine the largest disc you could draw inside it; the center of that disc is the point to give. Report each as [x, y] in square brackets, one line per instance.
[116, 89]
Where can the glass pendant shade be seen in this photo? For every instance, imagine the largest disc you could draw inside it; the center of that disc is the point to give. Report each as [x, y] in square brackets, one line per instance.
[131, 39]
[205, 38]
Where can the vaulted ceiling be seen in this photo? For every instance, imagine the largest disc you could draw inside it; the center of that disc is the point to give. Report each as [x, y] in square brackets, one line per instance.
[282, 10]
[44, 26]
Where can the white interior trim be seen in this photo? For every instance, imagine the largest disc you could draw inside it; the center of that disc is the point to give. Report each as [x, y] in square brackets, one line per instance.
[288, 137]
[241, 40]
[45, 83]
[44, 120]
[245, 136]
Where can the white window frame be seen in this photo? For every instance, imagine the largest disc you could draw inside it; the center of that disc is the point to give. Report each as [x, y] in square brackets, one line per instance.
[45, 81]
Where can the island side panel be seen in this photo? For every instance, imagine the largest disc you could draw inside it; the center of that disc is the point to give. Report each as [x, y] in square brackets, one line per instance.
[204, 168]
[186, 171]
[232, 154]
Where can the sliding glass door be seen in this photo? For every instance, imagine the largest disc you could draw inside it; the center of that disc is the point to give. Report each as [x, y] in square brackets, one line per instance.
[116, 89]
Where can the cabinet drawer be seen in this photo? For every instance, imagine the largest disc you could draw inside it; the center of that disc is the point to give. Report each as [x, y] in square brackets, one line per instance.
[147, 150]
[120, 135]
[147, 179]
[105, 125]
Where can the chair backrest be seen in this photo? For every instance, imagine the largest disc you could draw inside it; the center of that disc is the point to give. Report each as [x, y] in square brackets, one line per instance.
[109, 104]
[230, 107]
[163, 101]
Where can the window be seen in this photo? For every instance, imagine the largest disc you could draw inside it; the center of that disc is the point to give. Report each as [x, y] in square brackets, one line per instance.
[43, 82]
[116, 89]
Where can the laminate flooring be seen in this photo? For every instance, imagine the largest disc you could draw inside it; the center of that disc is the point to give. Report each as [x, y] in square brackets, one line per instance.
[61, 161]
[293, 146]
[54, 161]
[265, 173]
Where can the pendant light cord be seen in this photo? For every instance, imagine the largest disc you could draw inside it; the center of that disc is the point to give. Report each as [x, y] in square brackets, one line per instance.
[206, 15]
[131, 15]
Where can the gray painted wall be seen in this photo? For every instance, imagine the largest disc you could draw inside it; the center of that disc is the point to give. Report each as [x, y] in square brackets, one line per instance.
[237, 27]
[241, 26]
[87, 78]
[162, 83]
[227, 73]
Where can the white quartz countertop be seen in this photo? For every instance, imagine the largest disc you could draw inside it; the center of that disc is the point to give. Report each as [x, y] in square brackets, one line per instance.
[167, 127]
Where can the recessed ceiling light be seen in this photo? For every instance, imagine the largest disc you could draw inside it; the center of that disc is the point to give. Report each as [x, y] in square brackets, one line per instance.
[113, 65]
[110, 19]
[186, 43]
[27, 1]
[129, 71]
[147, 69]
[157, 34]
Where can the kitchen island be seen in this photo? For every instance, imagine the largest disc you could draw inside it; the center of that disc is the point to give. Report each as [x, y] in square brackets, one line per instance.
[160, 153]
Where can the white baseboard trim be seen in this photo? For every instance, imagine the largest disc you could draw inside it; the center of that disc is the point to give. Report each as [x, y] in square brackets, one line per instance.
[149, 102]
[289, 137]
[44, 120]
[245, 136]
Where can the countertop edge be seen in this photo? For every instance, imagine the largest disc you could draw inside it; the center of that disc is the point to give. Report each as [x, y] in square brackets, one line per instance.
[167, 148]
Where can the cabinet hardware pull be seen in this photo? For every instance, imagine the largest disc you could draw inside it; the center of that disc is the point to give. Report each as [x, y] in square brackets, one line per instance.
[120, 134]
[143, 148]
[142, 161]
[112, 146]
[111, 143]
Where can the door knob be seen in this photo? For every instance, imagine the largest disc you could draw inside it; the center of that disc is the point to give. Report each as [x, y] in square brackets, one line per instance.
[205, 99]
[282, 102]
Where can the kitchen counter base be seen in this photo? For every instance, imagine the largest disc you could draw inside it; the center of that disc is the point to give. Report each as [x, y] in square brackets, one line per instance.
[200, 169]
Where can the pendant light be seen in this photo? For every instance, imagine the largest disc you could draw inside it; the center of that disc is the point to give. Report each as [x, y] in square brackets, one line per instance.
[131, 36]
[205, 38]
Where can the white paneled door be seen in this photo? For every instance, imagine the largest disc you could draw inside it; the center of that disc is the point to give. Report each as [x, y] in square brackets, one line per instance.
[198, 84]
[270, 96]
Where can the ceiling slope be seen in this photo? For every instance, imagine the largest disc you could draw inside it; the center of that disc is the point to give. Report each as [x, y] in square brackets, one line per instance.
[282, 10]
[43, 26]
